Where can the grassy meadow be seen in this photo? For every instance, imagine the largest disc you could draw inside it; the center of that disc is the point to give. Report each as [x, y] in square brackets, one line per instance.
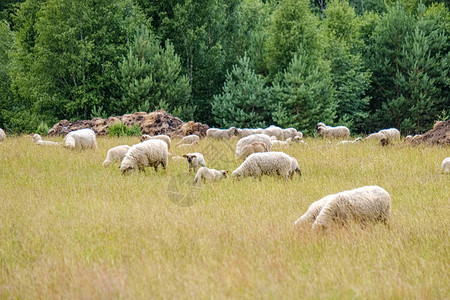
[70, 228]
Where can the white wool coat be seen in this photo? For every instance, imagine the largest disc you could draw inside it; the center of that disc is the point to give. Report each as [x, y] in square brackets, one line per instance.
[116, 154]
[2, 135]
[151, 153]
[81, 139]
[332, 132]
[162, 137]
[261, 138]
[205, 173]
[446, 165]
[189, 139]
[264, 163]
[195, 160]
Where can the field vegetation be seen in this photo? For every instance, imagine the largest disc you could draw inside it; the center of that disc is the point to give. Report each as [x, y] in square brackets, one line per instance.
[70, 228]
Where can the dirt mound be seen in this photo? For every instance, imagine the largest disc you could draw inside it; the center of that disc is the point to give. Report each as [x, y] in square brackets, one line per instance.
[439, 135]
[154, 123]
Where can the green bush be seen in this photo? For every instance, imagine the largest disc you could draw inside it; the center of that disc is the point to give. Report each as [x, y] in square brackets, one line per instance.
[120, 129]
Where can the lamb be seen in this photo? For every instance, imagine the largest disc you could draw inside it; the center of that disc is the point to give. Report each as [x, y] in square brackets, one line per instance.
[276, 131]
[2, 135]
[332, 132]
[391, 133]
[294, 168]
[446, 165]
[357, 140]
[261, 138]
[116, 153]
[253, 148]
[221, 133]
[81, 139]
[37, 139]
[151, 153]
[189, 139]
[377, 136]
[163, 137]
[368, 203]
[205, 173]
[265, 163]
[194, 161]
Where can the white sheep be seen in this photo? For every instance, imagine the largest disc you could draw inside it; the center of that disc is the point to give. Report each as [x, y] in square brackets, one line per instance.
[195, 160]
[189, 139]
[116, 154]
[391, 133]
[368, 203]
[163, 137]
[81, 139]
[276, 131]
[151, 153]
[377, 136]
[261, 138]
[285, 143]
[253, 148]
[332, 132]
[446, 165]
[37, 139]
[205, 173]
[294, 168]
[221, 133]
[291, 133]
[240, 133]
[188, 145]
[2, 135]
[357, 140]
[264, 163]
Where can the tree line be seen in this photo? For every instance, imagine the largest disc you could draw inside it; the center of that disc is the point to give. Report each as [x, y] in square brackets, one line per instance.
[366, 64]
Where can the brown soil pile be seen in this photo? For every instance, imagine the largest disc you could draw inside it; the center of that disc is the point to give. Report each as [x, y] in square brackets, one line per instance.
[439, 135]
[154, 123]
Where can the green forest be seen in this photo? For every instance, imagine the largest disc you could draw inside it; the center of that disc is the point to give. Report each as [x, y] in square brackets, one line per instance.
[366, 64]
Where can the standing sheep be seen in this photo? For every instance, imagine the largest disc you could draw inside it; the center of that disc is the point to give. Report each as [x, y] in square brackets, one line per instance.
[2, 135]
[37, 139]
[294, 168]
[391, 133]
[151, 153]
[377, 136]
[253, 148]
[446, 165]
[205, 173]
[117, 153]
[163, 137]
[368, 203]
[81, 139]
[332, 132]
[194, 161]
[221, 133]
[261, 138]
[276, 131]
[265, 163]
[189, 139]
[240, 133]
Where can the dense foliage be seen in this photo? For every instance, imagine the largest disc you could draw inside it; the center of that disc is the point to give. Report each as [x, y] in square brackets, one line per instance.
[367, 64]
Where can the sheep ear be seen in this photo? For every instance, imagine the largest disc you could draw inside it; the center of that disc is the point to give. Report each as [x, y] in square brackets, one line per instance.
[185, 156]
[194, 155]
[225, 172]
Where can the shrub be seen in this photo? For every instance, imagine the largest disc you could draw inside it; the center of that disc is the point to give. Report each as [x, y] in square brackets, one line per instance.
[120, 129]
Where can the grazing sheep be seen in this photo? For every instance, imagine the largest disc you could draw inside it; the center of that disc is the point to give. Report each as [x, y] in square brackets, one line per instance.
[37, 139]
[265, 163]
[221, 133]
[253, 148]
[299, 139]
[194, 161]
[368, 203]
[285, 143]
[2, 135]
[163, 137]
[81, 139]
[205, 173]
[377, 136]
[446, 165]
[240, 133]
[189, 139]
[294, 168]
[151, 153]
[291, 133]
[116, 153]
[261, 138]
[276, 131]
[357, 140]
[384, 142]
[332, 132]
[391, 133]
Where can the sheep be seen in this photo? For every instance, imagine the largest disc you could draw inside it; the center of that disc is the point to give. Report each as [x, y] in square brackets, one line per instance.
[265, 163]
[261, 138]
[298, 139]
[194, 161]
[151, 153]
[188, 145]
[446, 165]
[116, 153]
[273, 130]
[291, 133]
[332, 132]
[37, 139]
[357, 140]
[221, 133]
[391, 133]
[367, 203]
[189, 139]
[205, 173]
[81, 139]
[294, 168]
[163, 137]
[377, 136]
[2, 135]
[253, 148]
[282, 143]
[240, 133]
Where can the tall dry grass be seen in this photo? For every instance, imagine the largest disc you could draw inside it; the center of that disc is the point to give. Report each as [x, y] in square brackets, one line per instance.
[70, 228]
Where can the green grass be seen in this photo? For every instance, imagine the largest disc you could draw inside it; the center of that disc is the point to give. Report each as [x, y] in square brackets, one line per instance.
[70, 228]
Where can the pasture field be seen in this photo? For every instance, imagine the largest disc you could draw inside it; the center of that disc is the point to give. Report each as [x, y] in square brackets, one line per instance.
[72, 229]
